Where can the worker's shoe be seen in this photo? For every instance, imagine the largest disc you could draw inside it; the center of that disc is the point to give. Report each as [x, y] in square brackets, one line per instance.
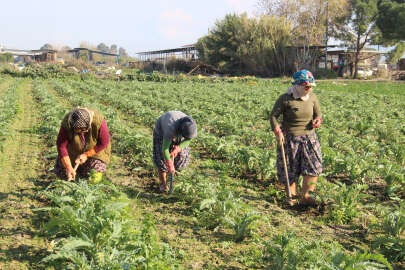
[308, 201]
[293, 201]
[163, 188]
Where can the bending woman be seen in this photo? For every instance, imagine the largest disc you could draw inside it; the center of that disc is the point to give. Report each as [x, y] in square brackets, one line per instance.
[171, 138]
[83, 139]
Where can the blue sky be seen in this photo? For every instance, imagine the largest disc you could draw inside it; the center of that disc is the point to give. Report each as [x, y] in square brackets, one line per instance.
[135, 25]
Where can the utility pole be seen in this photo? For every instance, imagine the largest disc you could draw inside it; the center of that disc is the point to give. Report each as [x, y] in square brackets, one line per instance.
[326, 34]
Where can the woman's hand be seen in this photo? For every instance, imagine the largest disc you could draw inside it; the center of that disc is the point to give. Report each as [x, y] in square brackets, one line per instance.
[176, 150]
[81, 159]
[279, 135]
[70, 174]
[317, 122]
[170, 166]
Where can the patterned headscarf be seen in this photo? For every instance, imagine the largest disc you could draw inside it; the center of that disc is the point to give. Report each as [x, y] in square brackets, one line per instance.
[304, 76]
[80, 119]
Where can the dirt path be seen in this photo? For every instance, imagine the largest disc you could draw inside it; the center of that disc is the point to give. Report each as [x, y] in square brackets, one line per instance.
[20, 245]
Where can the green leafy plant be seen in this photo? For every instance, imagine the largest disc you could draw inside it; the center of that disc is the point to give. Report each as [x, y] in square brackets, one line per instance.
[215, 210]
[395, 180]
[94, 229]
[343, 201]
[288, 252]
[242, 225]
[391, 242]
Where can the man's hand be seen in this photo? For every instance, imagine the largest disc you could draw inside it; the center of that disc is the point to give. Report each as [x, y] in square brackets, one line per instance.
[170, 166]
[81, 159]
[176, 150]
[317, 123]
[279, 135]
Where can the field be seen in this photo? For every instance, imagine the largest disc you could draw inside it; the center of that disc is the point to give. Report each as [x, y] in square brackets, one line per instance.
[227, 210]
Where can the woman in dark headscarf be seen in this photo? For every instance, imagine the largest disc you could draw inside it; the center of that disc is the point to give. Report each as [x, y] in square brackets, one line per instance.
[171, 138]
[83, 139]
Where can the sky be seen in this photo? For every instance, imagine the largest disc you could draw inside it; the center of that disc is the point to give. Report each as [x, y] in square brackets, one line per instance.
[134, 25]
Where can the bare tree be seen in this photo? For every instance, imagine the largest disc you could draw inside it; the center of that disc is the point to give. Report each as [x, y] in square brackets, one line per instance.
[308, 18]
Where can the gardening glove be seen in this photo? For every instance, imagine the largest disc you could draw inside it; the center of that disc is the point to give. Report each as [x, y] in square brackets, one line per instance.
[170, 166]
[81, 159]
[279, 135]
[176, 150]
[317, 122]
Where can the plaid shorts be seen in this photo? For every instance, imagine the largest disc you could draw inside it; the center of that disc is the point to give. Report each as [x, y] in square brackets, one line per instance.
[83, 170]
[180, 162]
[303, 157]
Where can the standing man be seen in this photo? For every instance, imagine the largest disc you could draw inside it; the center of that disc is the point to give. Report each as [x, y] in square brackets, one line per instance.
[301, 114]
[83, 139]
[171, 138]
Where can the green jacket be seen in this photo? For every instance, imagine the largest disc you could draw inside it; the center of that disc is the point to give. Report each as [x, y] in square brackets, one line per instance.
[74, 144]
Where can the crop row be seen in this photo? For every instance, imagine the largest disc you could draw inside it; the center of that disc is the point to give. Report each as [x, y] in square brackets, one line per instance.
[9, 107]
[345, 201]
[234, 127]
[92, 226]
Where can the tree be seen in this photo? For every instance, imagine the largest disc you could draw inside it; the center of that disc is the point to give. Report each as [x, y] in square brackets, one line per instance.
[241, 45]
[85, 44]
[102, 47]
[222, 46]
[6, 57]
[309, 19]
[113, 48]
[391, 21]
[397, 52]
[359, 27]
[47, 46]
[65, 48]
[122, 52]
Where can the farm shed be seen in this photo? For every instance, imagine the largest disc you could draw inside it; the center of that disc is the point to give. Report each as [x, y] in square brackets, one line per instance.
[32, 55]
[342, 60]
[187, 52]
[76, 53]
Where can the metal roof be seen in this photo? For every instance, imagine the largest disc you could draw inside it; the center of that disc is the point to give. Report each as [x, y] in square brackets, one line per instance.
[26, 52]
[93, 51]
[179, 49]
